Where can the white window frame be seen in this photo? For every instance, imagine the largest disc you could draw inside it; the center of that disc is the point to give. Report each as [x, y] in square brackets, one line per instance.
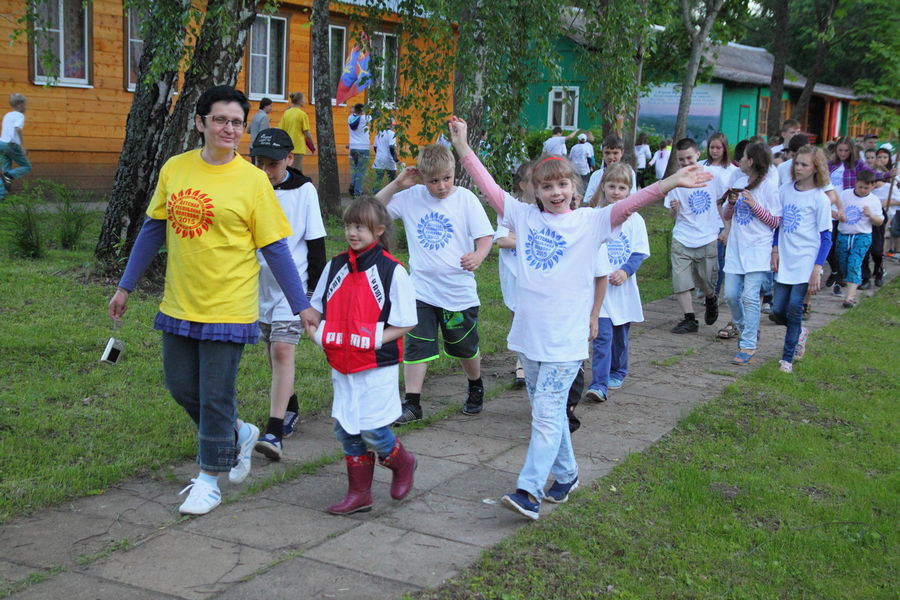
[255, 94]
[131, 16]
[61, 79]
[312, 82]
[551, 99]
[379, 78]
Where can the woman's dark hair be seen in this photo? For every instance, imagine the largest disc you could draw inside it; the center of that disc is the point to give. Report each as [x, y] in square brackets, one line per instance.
[761, 156]
[368, 211]
[642, 139]
[220, 93]
[739, 150]
[890, 163]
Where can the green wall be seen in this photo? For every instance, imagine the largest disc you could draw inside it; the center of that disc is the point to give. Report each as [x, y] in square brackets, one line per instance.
[732, 116]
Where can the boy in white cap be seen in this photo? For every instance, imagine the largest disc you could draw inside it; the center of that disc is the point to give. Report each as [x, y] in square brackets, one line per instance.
[582, 156]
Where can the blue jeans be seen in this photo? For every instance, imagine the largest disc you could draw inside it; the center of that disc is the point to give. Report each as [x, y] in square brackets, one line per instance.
[380, 440]
[201, 376]
[720, 253]
[11, 152]
[359, 163]
[787, 306]
[852, 249]
[742, 294]
[610, 357]
[379, 175]
[550, 449]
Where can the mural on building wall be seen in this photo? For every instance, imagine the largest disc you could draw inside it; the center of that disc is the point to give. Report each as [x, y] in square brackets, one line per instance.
[659, 107]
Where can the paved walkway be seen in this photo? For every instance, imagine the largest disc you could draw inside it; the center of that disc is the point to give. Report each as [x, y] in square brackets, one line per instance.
[280, 543]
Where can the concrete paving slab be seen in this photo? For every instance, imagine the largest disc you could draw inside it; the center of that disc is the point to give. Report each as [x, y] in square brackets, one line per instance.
[471, 521]
[77, 586]
[327, 486]
[480, 482]
[430, 473]
[451, 445]
[11, 573]
[185, 565]
[268, 525]
[302, 578]
[57, 538]
[391, 552]
[514, 426]
[149, 502]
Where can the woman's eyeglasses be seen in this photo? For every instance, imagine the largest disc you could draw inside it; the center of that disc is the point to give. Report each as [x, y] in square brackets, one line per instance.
[223, 121]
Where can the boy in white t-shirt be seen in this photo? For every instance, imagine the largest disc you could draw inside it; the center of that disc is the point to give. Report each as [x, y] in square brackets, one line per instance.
[358, 123]
[442, 221]
[385, 155]
[613, 151]
[862, 209]
[694, 255]
[555, 145]
[279, 328]
[582, 156]
[12, 144]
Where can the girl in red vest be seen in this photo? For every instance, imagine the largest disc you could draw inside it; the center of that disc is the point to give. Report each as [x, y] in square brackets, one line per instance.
[367, 303]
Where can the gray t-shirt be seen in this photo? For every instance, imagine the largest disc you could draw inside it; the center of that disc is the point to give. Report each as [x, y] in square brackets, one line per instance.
[259, 122]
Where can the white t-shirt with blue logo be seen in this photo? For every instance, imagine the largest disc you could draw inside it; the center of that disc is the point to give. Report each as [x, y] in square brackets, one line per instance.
[749, 247]
[556, 257]
[622, 303]
[438, 233]
[857, 221]
[508, 269]
[697, 222]
[803, 216]
[383, 142]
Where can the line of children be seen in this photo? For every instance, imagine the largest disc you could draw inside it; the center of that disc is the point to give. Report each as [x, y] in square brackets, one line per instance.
[753, 207]
[557, 247]
[367, 303]
[278, 326]
[863, 210]
[800, 247]
[694, 255]
[442, 222]
[619, 259]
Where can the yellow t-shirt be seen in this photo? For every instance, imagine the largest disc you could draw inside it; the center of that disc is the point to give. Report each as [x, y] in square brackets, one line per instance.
[295, 121]
[217, 216]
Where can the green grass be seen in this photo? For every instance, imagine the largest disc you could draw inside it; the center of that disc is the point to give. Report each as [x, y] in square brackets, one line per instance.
[783, 487]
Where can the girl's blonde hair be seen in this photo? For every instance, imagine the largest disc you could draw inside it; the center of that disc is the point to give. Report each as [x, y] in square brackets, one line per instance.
[551, 168]
[368, 211]
[617, 173]
[523, 176]
[820, 175]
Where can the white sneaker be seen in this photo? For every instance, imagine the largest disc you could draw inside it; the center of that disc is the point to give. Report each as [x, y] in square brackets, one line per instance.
[239, 472]
[785, 367]
[202, 499]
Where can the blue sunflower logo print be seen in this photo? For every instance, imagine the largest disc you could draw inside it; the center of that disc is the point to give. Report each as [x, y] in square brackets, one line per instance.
[434, 231]
[699, 202]
[790, 218]
[618, 250]
[742, 213]
[544, 248]
[854, 214]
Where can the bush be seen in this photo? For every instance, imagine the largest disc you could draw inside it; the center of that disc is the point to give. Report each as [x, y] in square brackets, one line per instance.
[72, 217]
[21, 225]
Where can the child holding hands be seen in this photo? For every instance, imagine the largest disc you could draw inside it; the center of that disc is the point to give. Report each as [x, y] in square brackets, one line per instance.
[556, 249]
[862, 210]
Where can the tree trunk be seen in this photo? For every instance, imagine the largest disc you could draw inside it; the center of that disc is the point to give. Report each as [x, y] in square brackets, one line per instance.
[329, 179]
[468, 93]
[822, 48]
[776, 85]
[144, 128]
[631, 119]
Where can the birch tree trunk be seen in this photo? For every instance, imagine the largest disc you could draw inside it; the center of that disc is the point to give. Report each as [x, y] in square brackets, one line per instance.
[776, 85]
[329, 179]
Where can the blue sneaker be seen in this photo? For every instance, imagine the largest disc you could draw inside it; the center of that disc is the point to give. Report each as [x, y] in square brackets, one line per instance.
[595, 395]
[521, 503]
[559, 492]
[270, 446]
[290, 421]
[614, 383]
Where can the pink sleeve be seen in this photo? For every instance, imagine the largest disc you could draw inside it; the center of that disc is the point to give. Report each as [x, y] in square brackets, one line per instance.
[627, 207]
[765, 216]
[493, 192]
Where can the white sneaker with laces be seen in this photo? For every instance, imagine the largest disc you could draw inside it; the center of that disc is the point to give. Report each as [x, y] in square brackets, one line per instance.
[785, 367]
[239, 472]
[202, 499]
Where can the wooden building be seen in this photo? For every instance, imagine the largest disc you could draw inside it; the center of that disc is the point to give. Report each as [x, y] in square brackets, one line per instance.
[76, 123]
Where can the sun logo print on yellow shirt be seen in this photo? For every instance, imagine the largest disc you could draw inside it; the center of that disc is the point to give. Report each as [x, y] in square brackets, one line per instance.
[190, 212]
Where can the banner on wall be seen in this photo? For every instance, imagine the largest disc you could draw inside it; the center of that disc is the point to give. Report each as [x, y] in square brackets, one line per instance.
[659, 108]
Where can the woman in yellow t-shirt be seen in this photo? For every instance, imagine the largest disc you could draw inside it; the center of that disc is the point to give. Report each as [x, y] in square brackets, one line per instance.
[213, 210]
[296, 122]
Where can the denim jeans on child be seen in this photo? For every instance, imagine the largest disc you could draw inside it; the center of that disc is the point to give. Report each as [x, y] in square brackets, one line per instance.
[610, 357]
[200, 375]
[787, 306]
[742, 294]
[550, 449]
[11, 152]
[381, 441]
[359, 164]
[851, 250]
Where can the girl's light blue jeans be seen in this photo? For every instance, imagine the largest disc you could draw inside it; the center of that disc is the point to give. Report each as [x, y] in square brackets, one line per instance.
[550, 449]
[380, 441]
[742, 294]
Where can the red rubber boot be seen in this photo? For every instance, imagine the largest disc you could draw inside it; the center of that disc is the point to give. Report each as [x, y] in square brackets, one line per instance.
[360, 470]
[403, 464]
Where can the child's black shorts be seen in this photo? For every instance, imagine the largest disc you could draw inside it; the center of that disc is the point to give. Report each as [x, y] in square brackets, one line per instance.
[459, 330]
